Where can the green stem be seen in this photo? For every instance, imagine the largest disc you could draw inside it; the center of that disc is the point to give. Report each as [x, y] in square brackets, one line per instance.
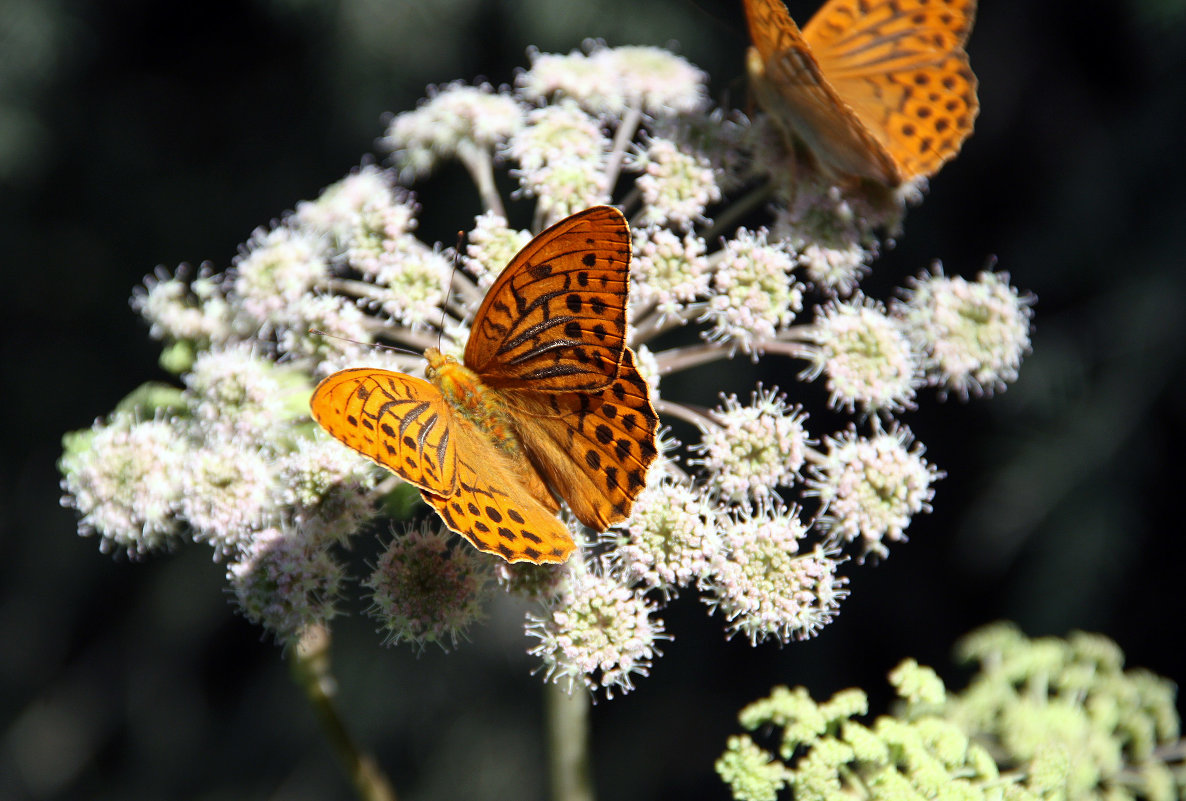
[568, 741]
[310, 669]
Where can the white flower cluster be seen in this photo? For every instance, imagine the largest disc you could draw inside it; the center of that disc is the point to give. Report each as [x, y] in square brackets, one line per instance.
[757, 515]
[229, 461]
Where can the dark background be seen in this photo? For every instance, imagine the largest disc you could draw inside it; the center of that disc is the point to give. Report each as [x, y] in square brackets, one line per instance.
[134, 134]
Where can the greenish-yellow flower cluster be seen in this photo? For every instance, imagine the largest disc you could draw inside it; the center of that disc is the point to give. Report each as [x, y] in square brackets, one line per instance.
[1046, 719]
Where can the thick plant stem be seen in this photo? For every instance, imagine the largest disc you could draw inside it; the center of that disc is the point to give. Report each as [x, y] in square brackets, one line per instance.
[309, 662]
[568, 744]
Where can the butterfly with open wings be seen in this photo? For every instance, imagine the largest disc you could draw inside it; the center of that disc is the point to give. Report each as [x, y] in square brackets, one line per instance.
[547, 404]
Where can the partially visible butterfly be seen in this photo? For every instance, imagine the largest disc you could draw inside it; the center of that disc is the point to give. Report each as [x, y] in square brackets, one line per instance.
[548, 404]
[876, 89]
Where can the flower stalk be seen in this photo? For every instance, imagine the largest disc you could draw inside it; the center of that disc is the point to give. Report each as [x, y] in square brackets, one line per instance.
[569, 756]
[310, 664]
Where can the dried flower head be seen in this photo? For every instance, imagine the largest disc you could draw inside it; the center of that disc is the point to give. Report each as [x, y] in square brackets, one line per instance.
[286, 583]
[426, 592]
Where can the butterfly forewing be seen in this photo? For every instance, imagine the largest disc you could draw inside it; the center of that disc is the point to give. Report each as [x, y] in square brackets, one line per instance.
[399, 421]
[771, 28]
[902, 69]
[851, 40]
[555, 319]
[594, 449]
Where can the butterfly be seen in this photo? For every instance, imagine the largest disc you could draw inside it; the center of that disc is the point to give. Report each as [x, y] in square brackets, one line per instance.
[547, 404]
[876, 89]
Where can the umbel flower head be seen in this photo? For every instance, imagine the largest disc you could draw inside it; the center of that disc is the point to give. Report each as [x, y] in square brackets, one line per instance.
[1041, 719]
[758, 512]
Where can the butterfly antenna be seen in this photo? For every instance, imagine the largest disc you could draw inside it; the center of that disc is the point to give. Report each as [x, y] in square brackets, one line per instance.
[395, 348]
[449, 289]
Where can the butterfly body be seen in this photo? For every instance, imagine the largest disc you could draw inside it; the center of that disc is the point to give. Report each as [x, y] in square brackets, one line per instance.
[547, 404]
[875, 89]
[465, 394]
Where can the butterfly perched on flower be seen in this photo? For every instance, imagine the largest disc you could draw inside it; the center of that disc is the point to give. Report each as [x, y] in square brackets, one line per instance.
[875, 89]
[547, 404]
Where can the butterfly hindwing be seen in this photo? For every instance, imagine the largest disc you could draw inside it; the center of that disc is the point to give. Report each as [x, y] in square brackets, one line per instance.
[877, 89]
[903, 70]
[555, 319]
[399, 421]
[594, 449]
[494, 507]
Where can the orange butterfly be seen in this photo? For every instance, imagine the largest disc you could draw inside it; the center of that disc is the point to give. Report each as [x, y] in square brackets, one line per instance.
[877, 89]
[548, 403]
